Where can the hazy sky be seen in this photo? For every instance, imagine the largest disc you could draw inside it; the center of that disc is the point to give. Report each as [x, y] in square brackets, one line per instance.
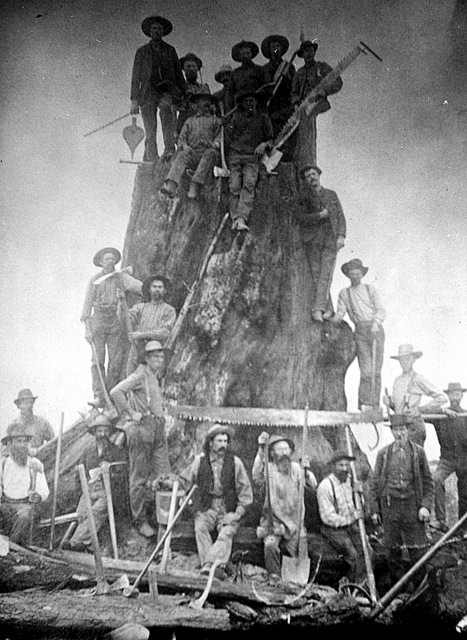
[393, 147]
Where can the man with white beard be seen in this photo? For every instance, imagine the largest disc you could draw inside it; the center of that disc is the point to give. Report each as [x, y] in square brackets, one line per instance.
[22, 484]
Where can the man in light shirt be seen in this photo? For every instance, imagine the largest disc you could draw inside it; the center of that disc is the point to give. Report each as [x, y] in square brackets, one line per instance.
[407, 394]
[363, 305]
[339, 516]
[22, 484]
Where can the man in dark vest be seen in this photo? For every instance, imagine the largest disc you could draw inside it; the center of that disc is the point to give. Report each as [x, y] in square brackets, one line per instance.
[279, 73]
[222, 77]
[191, 66]
[157, 82]
[248, 77]
[224, 494]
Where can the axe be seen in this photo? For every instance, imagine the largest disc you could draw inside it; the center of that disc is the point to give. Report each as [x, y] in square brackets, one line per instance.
[128, 270]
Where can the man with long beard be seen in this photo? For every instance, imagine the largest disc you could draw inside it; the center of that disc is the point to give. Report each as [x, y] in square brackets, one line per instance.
[22, 484]
[278, 525]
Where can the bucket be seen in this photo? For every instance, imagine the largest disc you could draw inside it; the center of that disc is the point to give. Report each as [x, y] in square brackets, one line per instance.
[163, 505]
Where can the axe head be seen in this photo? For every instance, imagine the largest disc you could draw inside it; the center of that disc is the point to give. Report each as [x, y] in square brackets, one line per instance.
[219, 172]
[132, 134]
[271, 161]
[130, 592]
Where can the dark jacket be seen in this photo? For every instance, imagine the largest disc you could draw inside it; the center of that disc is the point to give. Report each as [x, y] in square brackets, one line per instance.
[245, 79]
[311, 204]
[205, 482]
[316, 73]
[166, 67]
[282, 96]
[452, 437]
[423, 480]
[245, 132]
[91, 459]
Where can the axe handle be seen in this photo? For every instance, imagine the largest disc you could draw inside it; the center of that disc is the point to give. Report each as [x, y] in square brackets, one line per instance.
[92, 526]
[110, 508]
[56, 476]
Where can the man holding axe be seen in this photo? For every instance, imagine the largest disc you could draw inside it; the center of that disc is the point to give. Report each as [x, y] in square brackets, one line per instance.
[103, 327]
[279, 74]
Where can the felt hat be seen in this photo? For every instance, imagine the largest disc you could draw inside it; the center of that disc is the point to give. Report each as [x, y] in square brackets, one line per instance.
[274, 439]
[149, 280]
[454, 386]
[249, 94]
[307, 167]
[225, 70]
[341, 455]
[244, 43]
[407, 350]
[266, 44]
[24, 394]
[397, 420]
[97, 260]
[153, 345]
[191, 56]
[100, 421]
[307, 43]
[148, 22]
[356, 263]
[218, 429]
[17, 430]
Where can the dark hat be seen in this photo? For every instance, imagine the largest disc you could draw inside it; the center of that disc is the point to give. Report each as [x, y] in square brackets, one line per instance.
[307, 167]
[356, 263]
[24, 394]
[97, 260]
[274, 439]
[148, 22]
[341, 455]
[455, 386]
[306, 43]
[249, 94]
[218, 429]
[193, 97]
[149, 280]
[191, 56]
[225, 70]
[266, 44]
[407, 350]
[244, 43]
[17, 430]
[100, 421]
[397, 420]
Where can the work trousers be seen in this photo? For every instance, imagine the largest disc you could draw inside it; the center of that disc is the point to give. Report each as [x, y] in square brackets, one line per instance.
[244, 171]
[444, 469]
[402, 527]
[347, 543]
[274, 547]
[167, 116]
[200, 160]
[136, 355]
[321, 253]
[305, 150]
[417, 430]
[15, 519]
[364, 338]
[205, 523]
[109, 336]
[149, 458]
[99, 511]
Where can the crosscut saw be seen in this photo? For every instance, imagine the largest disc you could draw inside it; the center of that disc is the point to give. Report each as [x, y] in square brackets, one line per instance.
[255, 416]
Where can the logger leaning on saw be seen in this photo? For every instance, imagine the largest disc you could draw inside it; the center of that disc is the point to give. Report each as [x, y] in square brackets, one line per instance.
[278, 525]
[223, 496]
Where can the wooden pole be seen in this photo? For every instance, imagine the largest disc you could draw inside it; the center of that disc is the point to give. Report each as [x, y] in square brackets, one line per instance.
[173, 505]
[56, 476]
[33, 506]
[105, 466]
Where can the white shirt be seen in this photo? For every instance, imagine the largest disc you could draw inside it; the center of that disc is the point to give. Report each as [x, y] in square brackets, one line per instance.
[15, 481]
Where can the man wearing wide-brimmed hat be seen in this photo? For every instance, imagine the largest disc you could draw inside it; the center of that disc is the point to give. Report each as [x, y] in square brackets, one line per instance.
[279, 74]
[40, 428]
[339, 516]
[322, 230]
[363, 305]
[401, 495]
[407, 393]
[224, 494]
[139, 397]
[452, 436]
[99, 450]
[278, 526]
[248, 77]
[22, 484]
[151, 320]
[191, 66]
[198, 145]
[248, 135]
[223, 77]
[157, 82]
[101, 317]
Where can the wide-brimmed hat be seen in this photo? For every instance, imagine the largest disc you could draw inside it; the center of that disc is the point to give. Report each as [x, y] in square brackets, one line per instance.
[407, 350]
[249, 94]
[100, 421]
[193, 97]
[148, 22]
[306, 43]
[244, 43]
[397, 420]
[454, 386]
[24, 394]
[149, 280]
[216, 430]
[307, 167]
[97, 260]
[191, 56]
[274, 439]
[17, 430]
[266, 44]
[225, 70]
[341, 455]
[356, 263]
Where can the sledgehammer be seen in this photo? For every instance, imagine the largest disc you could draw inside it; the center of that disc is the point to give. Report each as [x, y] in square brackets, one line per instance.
[132, 590]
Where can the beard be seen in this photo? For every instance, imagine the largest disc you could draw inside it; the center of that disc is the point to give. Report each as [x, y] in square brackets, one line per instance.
[20, 456]
[284, 464]
[342, 475]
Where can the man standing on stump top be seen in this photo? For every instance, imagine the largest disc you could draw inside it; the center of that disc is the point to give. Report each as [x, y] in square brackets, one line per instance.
[273, 48]
[323, 230]
[191, 66]
[39, 428]
[248, 77]
[157, 82]
[362, 303]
